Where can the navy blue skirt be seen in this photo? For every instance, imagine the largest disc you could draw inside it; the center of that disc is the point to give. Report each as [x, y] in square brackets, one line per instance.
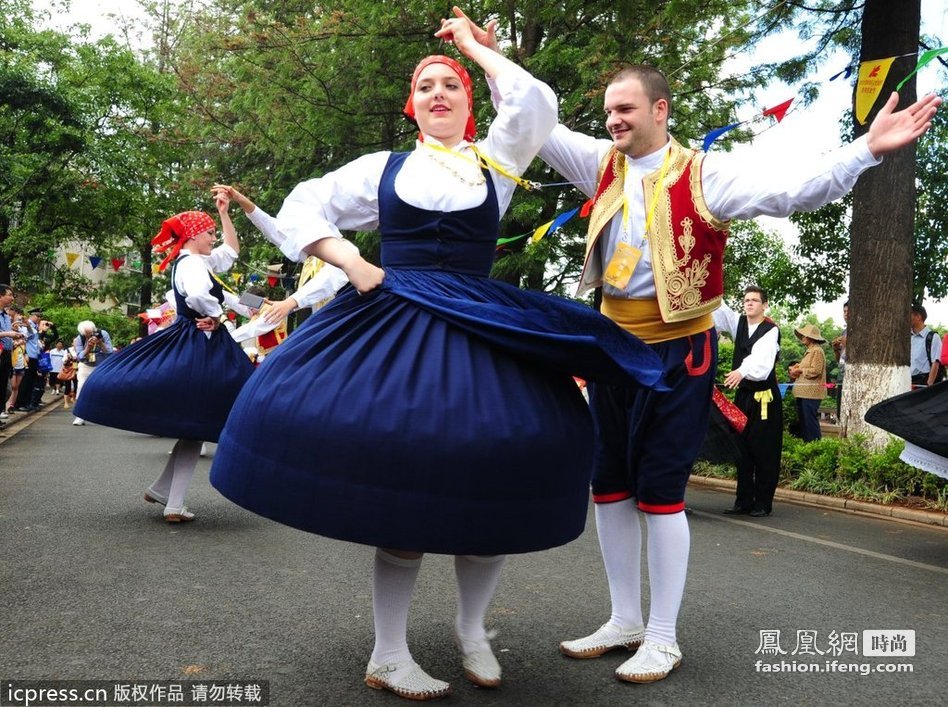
[435, 414]
[176, 383]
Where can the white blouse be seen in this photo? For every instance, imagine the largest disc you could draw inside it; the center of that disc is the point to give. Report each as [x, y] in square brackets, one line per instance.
[347, 199]
[191, 278]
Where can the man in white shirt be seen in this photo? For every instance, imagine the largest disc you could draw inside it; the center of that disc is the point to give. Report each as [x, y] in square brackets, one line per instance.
[756, 348]
[926, 349]
[657, 228]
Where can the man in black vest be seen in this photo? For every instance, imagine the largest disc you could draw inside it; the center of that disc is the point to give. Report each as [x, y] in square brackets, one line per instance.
[756, 348]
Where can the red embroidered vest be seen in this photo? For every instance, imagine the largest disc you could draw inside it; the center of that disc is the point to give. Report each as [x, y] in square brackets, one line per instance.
[686, 241]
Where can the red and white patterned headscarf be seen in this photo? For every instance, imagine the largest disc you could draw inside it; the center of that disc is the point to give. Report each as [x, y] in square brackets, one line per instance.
[470, 130]
[177, 230]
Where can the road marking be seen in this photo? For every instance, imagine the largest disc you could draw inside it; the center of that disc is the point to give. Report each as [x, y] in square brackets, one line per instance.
[827, 543]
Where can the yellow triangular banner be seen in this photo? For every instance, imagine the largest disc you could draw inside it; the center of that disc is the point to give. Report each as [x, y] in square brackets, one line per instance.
[540, 232]
[70, 259]
[311, 266]
[872, 76]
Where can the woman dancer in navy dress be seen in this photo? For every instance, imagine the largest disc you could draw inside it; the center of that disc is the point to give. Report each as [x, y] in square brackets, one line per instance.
[181, 381]
[438, 412]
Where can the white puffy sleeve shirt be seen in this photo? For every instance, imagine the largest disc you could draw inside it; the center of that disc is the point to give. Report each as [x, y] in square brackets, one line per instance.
[192, 278]
[740, 186]
[347, 199]
[757, 365]
[326, 283]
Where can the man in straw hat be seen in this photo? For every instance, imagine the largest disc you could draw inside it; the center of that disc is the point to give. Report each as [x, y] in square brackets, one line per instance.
[809, 381]
[756, 349]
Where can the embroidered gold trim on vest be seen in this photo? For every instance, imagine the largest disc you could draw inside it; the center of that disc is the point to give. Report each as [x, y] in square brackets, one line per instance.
[680, 279]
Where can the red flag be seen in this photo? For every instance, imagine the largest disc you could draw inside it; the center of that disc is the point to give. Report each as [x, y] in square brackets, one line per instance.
[272, 280]
[117, 263]
[778, 111]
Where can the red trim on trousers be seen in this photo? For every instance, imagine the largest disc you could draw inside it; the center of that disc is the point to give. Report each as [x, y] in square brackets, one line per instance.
[663, 508]
[612, 497]
[689, 359]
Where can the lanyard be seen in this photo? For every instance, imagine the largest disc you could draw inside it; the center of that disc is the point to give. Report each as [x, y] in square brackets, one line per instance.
[651, 209]
[485, 161]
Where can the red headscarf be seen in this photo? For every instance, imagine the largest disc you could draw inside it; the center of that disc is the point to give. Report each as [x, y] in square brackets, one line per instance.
[178, 229]
[470, 130]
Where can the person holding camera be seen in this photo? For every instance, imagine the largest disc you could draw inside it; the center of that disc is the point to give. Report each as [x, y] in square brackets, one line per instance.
[91, 346]
[181, 381]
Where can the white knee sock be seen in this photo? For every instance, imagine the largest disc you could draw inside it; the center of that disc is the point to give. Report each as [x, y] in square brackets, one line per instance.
[477, 577]
[620, 541]
[391, 599]
[669, 542]
[184, 458]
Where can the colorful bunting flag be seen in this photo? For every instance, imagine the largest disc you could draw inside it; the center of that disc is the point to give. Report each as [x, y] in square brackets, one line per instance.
[272, 280]
[872, 76]
[70, 259]
[716, 133]
[779, 110]
[117, 263]
[845, 73]
[553, 225]
[922, 61]
[94, 260]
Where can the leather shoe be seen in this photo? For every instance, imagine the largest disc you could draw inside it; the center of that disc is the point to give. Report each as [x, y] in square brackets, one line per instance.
[406, 680]
[758, 513]
[606, 638]
[737, 511]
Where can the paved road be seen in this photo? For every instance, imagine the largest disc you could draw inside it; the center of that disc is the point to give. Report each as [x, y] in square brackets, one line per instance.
[94, 585]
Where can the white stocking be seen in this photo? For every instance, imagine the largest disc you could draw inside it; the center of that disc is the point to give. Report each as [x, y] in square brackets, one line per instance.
[669, 542]
[391, 599]
[477, 577]
[620, 541]
[184, 458]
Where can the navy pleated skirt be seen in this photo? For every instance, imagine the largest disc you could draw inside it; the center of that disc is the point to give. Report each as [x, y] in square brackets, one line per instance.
[176, 383]
[435, 414]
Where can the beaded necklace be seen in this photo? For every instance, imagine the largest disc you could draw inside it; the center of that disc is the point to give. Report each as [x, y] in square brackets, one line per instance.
[476, 181]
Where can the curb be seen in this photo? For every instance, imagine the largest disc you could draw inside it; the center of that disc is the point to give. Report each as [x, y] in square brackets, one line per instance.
[18, 421]
[847, 505]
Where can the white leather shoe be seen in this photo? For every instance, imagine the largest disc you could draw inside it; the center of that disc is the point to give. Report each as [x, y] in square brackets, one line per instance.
[606, 638]
[651, 662]
[178, 515]
[406, 680]
[480, 664]
[78, 421]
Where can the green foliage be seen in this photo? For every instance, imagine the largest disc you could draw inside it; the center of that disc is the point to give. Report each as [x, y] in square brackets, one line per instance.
[849, 468]
[66, 317]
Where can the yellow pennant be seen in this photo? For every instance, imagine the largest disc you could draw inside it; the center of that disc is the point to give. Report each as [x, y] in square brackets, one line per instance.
[872, 76]
[541, 231]
[311, 266]
[70, 259]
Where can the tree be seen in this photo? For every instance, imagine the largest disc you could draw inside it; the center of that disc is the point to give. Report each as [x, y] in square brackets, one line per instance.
[286, 91]
[883, 223]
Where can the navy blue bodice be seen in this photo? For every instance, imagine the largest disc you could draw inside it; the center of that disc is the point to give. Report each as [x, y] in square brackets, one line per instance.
[181, 306]
[455, 241]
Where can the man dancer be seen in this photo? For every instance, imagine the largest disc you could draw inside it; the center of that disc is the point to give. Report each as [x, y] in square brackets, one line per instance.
[655, 243]
[756, 348]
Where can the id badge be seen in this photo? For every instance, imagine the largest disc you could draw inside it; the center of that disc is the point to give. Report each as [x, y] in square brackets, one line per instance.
[620, 268]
